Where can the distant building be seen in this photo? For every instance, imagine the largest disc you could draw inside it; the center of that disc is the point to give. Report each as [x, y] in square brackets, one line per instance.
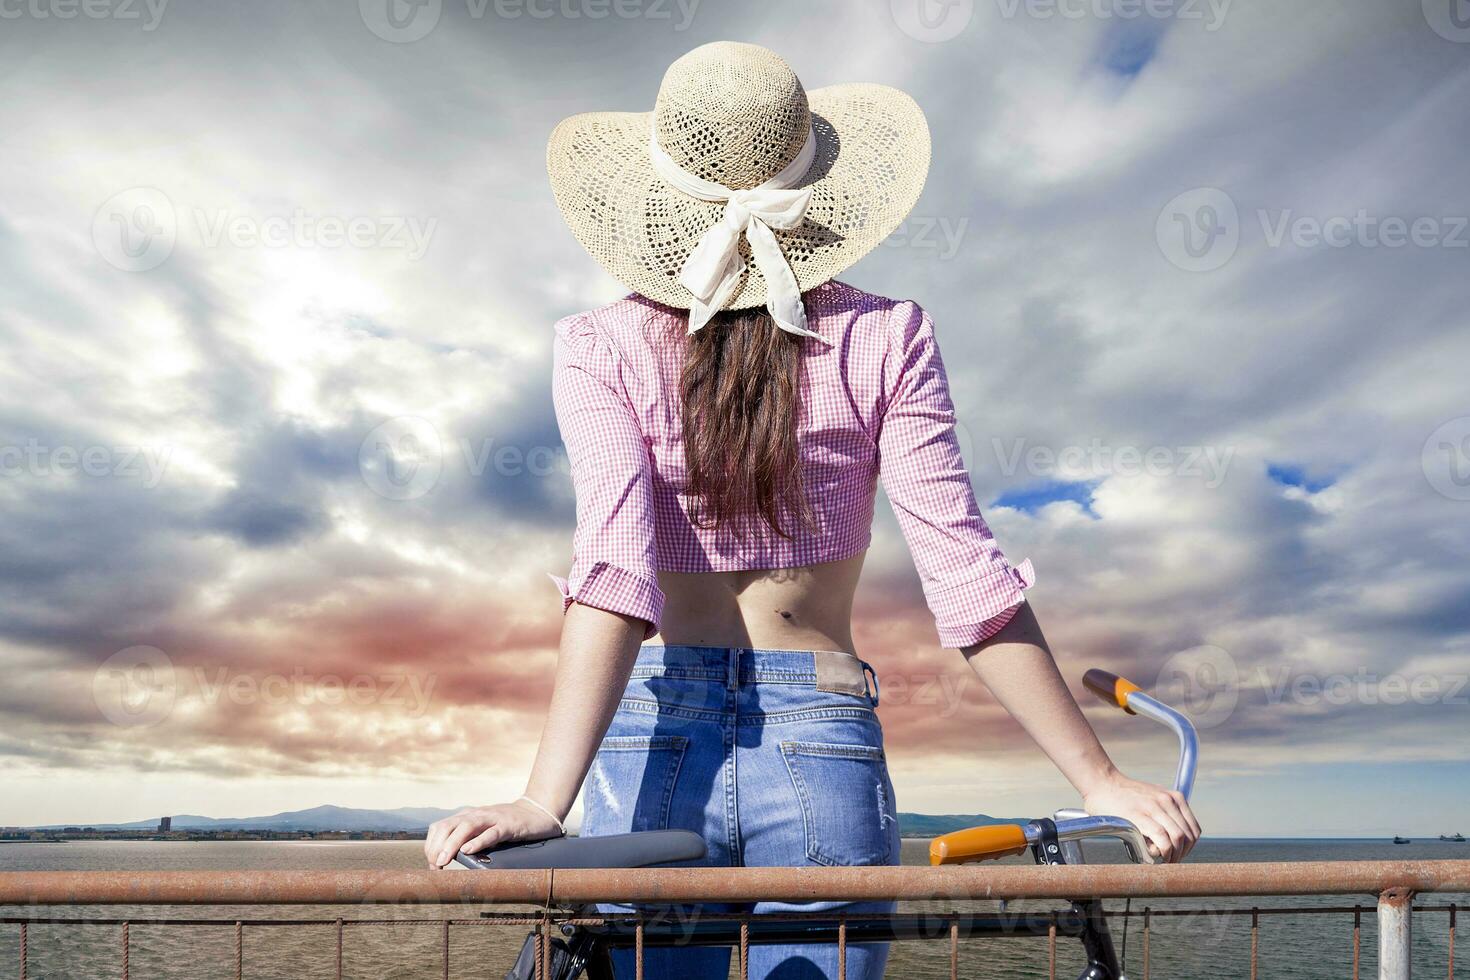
[165, 825]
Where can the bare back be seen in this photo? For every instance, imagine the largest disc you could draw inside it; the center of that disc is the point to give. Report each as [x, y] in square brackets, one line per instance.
[807, 608]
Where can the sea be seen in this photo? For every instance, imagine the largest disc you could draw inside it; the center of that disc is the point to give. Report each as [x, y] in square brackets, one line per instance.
[1202, 945]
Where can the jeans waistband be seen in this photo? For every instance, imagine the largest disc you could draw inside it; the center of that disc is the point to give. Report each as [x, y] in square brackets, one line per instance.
[833, 671]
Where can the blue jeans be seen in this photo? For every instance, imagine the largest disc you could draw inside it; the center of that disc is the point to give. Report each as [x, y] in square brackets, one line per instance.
[776, 758]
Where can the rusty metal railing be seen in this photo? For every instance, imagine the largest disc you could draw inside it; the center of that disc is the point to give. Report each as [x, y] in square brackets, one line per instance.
[652, 885]
[554, 893]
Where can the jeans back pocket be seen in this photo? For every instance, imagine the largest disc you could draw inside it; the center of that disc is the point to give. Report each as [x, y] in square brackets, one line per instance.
[846, 801]
[631, 783]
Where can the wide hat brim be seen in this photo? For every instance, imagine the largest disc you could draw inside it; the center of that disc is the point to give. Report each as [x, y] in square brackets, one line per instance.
[871, 162]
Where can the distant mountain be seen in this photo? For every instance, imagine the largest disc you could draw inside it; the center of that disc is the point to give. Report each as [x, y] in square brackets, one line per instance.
[321, 818]
[934, 824]
[409, 818]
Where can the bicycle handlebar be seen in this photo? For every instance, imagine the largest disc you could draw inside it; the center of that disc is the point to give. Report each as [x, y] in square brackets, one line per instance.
[1122, 693]
[983, 843]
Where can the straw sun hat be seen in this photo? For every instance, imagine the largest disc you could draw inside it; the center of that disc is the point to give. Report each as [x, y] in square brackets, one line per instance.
[737, 178]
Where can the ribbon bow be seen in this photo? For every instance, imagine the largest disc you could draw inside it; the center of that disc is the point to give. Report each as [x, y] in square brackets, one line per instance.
[712, 271]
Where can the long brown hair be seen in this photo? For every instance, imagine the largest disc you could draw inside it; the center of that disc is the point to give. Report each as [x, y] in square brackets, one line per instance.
[741, 404]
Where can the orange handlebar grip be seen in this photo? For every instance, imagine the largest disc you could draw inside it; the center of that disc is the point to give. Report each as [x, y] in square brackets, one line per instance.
[1110, 687]
[978, 844]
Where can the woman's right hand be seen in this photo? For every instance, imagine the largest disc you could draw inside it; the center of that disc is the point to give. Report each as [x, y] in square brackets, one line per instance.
[1163, 815]
[480, 827]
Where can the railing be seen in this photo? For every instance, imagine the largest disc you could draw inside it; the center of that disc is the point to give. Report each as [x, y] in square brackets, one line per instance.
[1394, 883]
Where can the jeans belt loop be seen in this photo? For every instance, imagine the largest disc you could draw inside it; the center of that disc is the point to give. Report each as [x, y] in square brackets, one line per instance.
[868, 671]
[732, 668]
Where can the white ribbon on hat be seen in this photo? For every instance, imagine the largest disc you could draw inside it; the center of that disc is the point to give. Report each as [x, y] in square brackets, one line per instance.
[712, 271]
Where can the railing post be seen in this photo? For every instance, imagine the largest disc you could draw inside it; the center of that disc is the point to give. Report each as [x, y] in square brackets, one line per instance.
[1395, 934]
[1451, 956]
[1357, 938]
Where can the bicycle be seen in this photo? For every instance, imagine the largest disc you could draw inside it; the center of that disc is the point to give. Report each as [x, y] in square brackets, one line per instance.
[1057, 840]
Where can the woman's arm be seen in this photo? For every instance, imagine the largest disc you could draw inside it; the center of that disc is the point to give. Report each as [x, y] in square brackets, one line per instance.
[597, 653]
[1017, 666]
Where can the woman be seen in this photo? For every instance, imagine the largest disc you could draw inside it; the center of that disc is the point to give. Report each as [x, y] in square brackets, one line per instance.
[727, 427]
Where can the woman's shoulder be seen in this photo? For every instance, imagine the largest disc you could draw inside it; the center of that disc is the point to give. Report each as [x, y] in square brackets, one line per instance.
[624, 327]
[630, 313]
[836, 296]
[843, 313]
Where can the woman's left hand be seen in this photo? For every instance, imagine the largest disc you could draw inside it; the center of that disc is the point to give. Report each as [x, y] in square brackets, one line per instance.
[480, 827]
[1162, 814]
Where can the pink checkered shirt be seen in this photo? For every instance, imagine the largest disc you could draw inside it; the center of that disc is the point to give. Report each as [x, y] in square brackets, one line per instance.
[875, 404]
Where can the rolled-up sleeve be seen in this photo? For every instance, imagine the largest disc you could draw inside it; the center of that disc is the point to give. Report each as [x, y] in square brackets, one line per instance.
[613, 561]
[970, 587]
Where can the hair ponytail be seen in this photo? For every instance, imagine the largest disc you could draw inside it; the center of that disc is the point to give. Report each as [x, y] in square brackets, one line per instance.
[741, 405]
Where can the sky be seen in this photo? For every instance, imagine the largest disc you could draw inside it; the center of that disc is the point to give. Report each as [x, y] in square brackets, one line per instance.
[281, 482]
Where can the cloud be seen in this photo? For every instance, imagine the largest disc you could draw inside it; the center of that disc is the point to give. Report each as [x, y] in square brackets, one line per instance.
[238, 402]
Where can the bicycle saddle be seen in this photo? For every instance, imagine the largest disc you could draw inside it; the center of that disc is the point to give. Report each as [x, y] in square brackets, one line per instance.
[636, 850]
